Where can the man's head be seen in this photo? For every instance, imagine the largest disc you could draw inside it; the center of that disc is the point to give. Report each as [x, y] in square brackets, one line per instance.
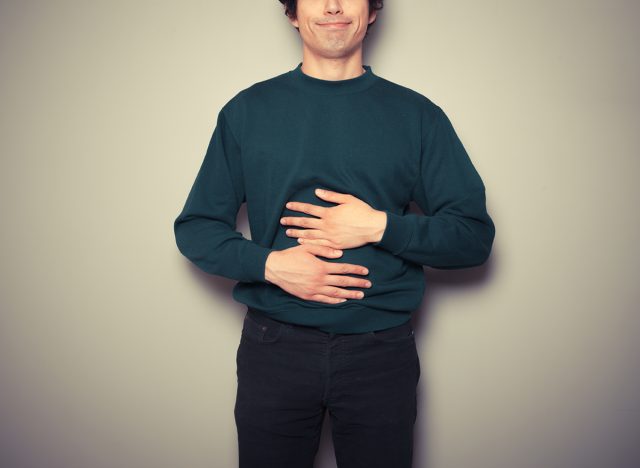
[313, 19]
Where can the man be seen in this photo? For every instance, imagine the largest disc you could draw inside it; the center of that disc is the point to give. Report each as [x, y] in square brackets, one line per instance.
[331, 278]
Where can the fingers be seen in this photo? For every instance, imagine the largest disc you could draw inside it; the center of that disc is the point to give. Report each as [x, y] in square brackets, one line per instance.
[330, 195]
[323, 250]
[327, 299]
[308, 208]
[332, 291]
[301, 221]
[346, 268]
[348, 281]
[344, 281]
[337, 276]
[302, 240]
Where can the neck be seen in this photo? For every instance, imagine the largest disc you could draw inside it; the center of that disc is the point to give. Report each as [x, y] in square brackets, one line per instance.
[332, 69]
[312, 84]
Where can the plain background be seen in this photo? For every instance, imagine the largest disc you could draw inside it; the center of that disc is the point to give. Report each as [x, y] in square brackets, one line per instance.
[116, 352]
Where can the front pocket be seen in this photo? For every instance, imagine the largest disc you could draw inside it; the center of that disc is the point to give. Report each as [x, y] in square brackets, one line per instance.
[261, 333]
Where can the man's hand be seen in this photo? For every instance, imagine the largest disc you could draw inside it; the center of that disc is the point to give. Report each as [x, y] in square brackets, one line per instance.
[298, 271]
[349, 224]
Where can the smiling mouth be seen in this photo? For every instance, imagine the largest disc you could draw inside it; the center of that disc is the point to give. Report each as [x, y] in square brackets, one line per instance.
[334, 25]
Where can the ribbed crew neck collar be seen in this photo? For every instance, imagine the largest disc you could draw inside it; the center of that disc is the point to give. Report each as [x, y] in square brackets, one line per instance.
[350, 85]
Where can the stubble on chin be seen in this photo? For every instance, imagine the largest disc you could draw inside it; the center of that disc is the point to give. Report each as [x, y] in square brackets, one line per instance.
[336, 43]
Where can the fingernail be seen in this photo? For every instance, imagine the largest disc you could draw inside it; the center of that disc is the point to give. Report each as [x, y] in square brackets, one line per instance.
[319, 191]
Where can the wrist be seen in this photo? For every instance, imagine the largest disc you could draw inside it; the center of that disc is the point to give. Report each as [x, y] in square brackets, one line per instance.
[379, 225]
[268, 271]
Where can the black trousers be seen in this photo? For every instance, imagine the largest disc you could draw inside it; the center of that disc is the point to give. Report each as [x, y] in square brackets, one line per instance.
[288, 375]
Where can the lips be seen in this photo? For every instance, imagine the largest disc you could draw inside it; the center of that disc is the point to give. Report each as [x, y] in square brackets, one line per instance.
[334, 25]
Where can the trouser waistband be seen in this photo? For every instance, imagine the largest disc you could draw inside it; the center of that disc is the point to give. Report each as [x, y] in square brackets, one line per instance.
[263, 319]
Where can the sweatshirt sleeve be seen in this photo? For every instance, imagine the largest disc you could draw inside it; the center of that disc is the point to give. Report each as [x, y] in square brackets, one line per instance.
[455, 231]
[205, 230]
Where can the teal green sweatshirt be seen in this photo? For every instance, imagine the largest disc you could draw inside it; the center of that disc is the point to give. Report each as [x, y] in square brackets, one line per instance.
[281, 138]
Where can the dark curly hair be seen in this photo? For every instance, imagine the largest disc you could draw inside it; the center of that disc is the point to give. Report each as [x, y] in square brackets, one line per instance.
[290, 9]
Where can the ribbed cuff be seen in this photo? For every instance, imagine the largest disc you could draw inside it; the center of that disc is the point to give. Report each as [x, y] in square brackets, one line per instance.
[396, 235]
[254, 260]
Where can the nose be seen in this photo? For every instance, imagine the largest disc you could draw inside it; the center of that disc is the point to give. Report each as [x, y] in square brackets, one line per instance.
[333, 7]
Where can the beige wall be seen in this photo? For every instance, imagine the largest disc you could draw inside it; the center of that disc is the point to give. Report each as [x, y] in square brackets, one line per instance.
[115, 352]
